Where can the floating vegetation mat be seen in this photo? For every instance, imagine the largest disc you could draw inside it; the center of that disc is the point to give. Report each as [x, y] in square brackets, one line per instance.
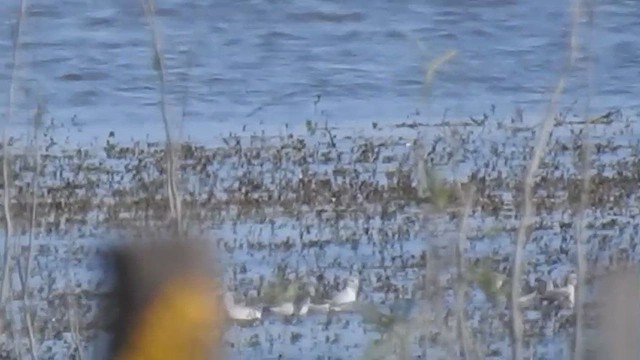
[385, 204]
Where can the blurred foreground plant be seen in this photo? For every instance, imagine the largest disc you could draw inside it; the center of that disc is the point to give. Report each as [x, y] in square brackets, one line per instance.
[168, 300]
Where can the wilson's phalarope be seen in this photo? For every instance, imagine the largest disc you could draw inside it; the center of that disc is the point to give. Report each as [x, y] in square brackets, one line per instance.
[564, 295]
[535, 295]
[342, 299]
[240, 311]
[303, 301]
[299, 305]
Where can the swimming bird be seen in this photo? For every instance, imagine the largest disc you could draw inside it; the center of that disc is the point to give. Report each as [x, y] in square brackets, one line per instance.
[548, 283]
[240, 311]
[285, 309]
[533, 298]
[563, 295]
[341, 300]
[324, 307]
[302, 301]
[349, 294]
[299, 305]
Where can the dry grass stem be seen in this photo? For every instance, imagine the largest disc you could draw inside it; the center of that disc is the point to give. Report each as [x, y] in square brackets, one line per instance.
[585, 162]
[528, 215]
[37, 121]
[6, 155]
[74, 322]
[175, 203]
[469, 350]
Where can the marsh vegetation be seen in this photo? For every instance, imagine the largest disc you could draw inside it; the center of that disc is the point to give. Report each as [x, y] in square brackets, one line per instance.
[302, 207]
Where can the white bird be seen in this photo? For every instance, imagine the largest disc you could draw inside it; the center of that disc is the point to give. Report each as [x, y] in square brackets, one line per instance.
[347, 296]
[565, 295]
[534, 296]
[303, 308]
[303, 301]
[549, 283]
[340, 300]
[299, 305]
[240, 311]
[284, 309]
[319, 307]
[528, 300]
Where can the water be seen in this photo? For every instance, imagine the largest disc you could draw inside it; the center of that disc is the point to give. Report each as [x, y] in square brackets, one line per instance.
[265, 62]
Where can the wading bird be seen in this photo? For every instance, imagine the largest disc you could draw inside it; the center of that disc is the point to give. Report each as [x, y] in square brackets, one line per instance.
[240, 311]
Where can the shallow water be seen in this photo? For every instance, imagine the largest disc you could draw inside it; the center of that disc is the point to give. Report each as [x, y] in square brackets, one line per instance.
[255, 62]
[383, 258]
[336, 239]
[253, 66]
